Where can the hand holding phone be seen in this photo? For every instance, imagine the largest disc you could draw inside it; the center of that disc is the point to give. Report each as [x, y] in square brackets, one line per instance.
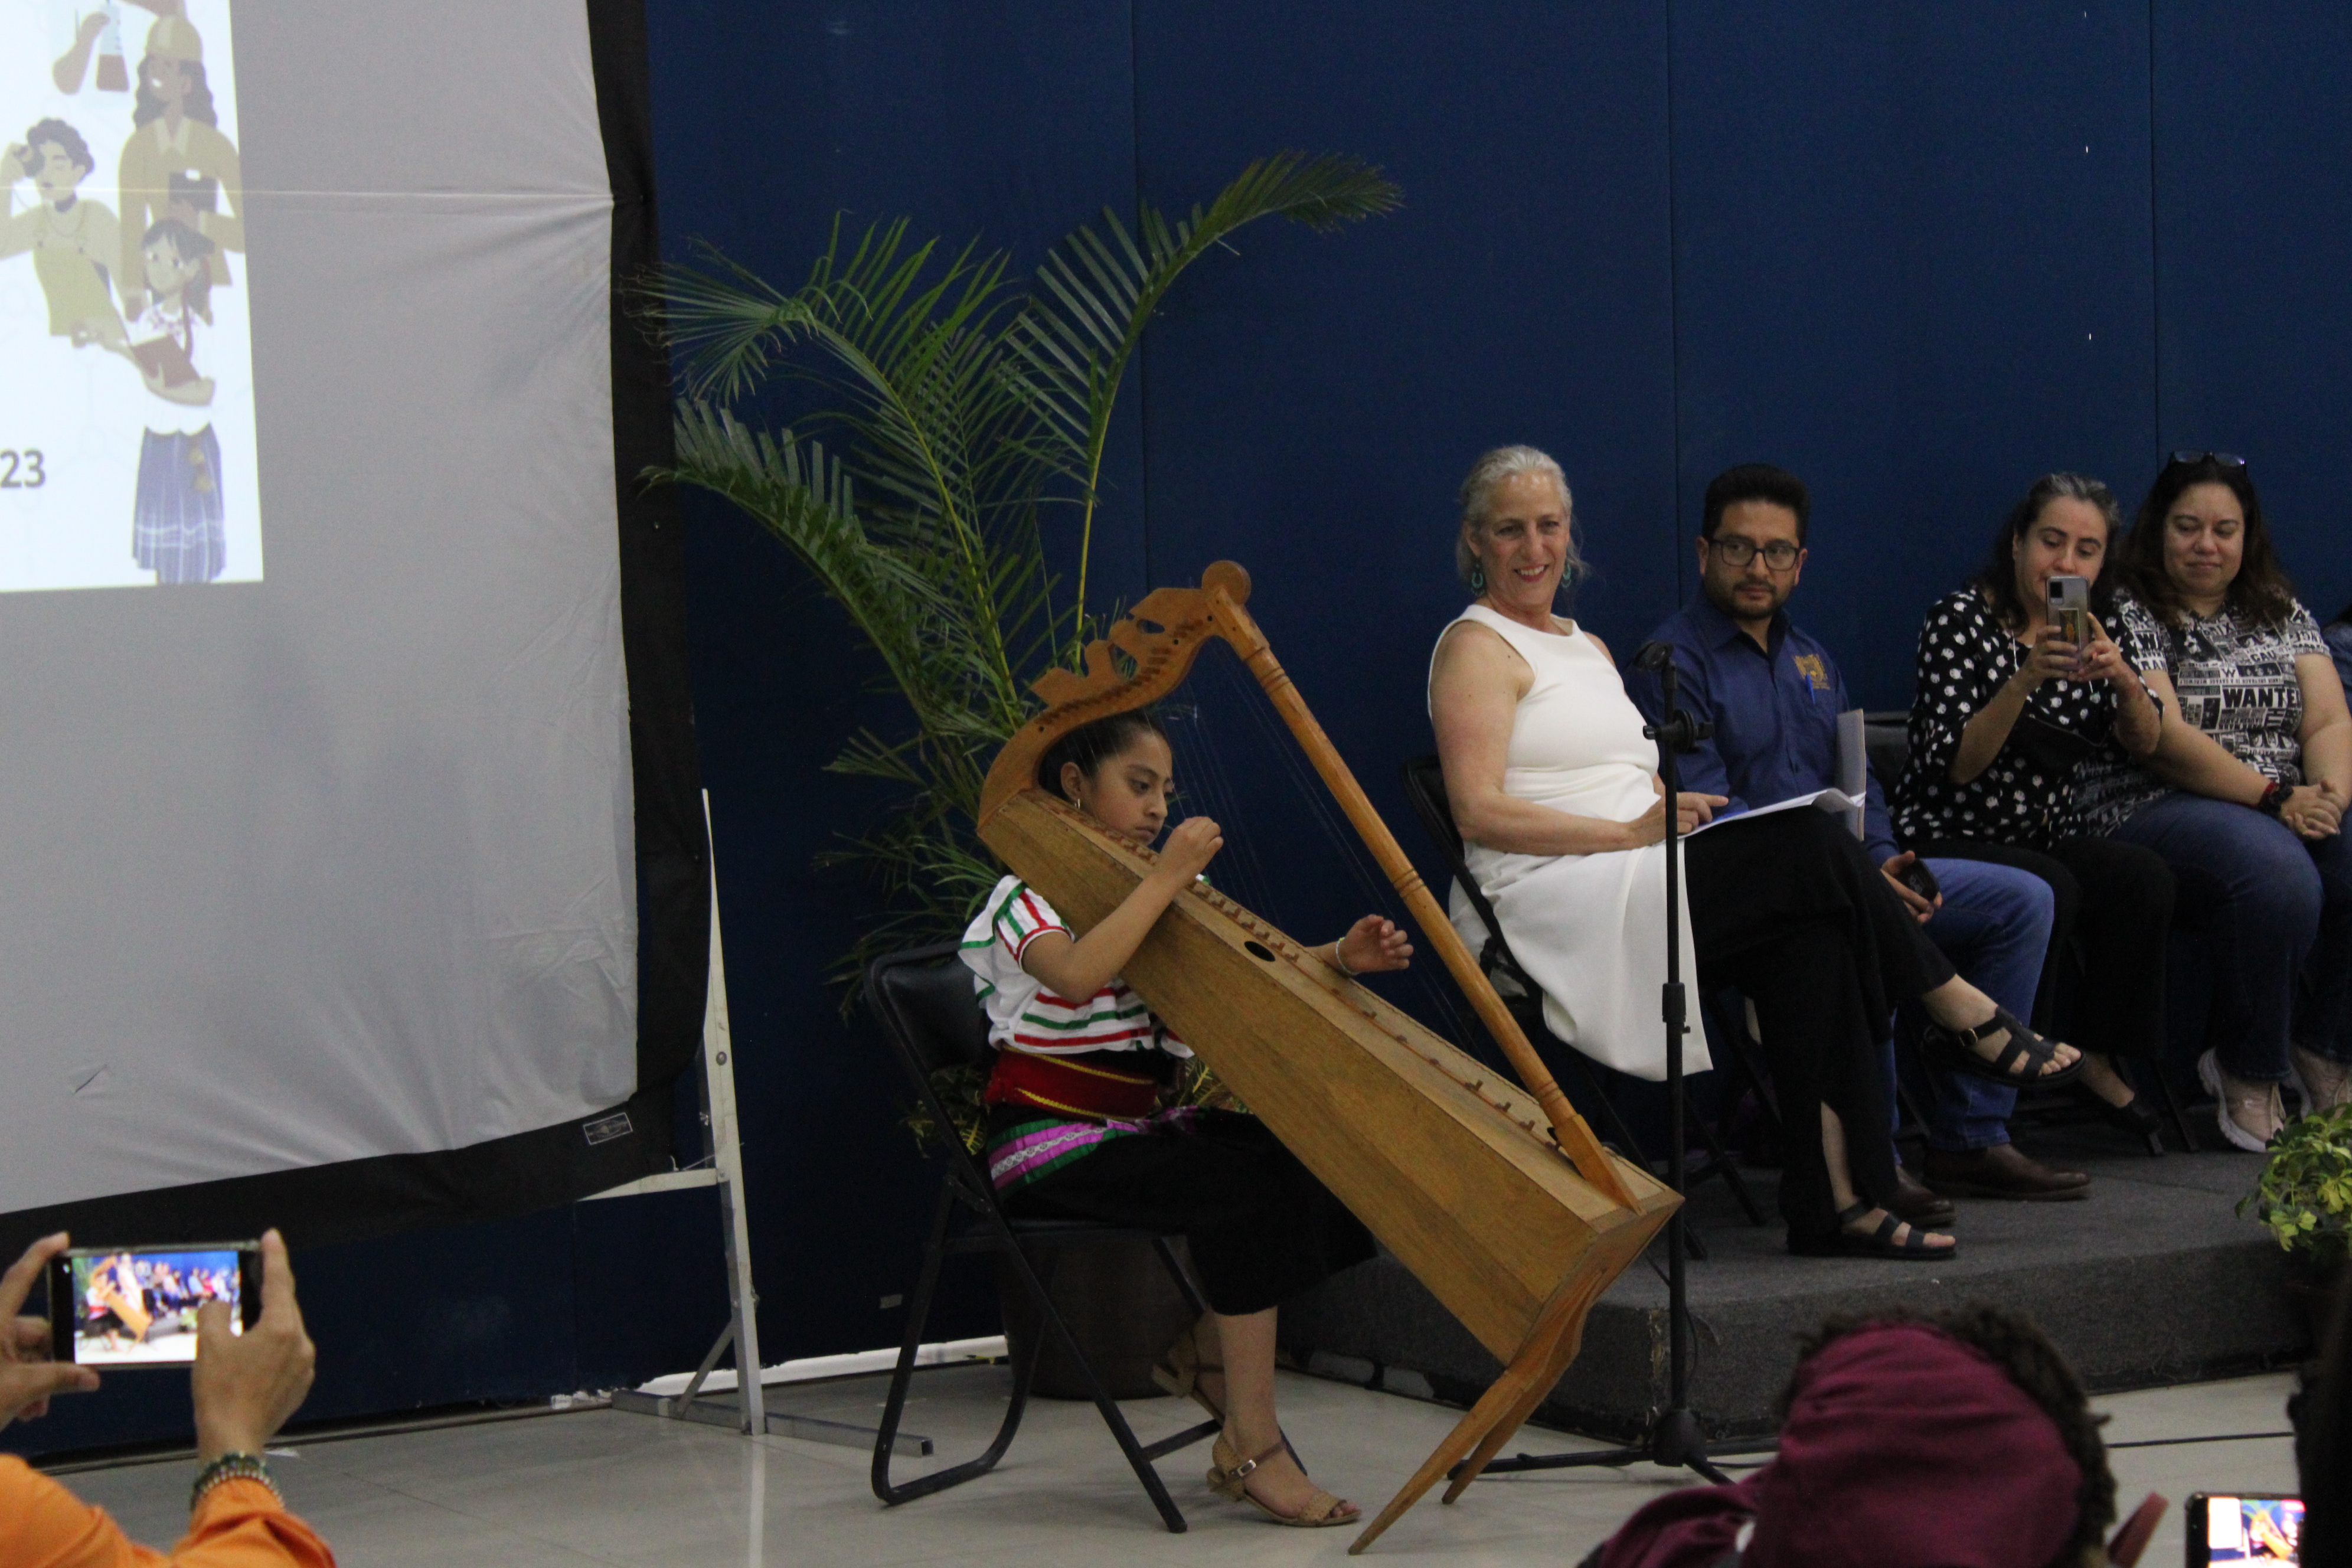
[245, 1386]
[136, 1307]
[27, 1376]
[2070, 611]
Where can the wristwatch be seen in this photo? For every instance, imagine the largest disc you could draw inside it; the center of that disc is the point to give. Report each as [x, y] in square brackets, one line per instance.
[2274, 800]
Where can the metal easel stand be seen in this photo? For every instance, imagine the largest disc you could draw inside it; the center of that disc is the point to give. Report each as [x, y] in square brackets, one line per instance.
[722, 1166]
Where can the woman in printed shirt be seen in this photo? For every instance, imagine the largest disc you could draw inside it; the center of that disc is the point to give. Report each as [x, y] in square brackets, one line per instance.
[1075, 1131]
[2006, 716]
[2246, 799]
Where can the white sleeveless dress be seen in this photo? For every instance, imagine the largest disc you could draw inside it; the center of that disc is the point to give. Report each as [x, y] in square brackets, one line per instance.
[1591, 930]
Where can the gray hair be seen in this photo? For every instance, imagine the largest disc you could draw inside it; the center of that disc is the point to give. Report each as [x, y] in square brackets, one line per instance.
[1478, 500]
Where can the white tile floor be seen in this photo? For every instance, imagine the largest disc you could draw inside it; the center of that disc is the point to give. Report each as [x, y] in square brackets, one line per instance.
[601, 1487]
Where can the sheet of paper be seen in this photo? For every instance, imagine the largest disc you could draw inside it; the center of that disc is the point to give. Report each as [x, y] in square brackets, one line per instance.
[1825, 799]
[1853, 766]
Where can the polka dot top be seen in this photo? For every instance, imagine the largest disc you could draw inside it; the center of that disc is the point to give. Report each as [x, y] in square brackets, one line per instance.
[1965, 654]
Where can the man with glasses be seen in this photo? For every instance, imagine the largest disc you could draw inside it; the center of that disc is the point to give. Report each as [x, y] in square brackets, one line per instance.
[1773, 694]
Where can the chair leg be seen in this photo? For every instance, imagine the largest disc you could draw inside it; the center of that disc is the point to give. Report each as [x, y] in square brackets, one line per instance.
[1724, 1165]
[1112, 1417]
[919, 1313]
[1192, 1294]
[2173, 1105]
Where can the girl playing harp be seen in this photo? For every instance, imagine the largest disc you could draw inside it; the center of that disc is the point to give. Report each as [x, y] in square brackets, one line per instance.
[1073, 1131]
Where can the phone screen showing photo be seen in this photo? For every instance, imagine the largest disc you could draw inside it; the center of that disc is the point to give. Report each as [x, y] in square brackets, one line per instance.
[139, 1308]
[2253, 1529]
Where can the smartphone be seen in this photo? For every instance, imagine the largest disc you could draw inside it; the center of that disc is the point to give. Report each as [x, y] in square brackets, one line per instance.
[2070, 608]
[136, 1305]
[1921, 881]
[2243, 1527]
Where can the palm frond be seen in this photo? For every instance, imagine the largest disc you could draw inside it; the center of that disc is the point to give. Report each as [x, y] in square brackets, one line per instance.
[1097, 293]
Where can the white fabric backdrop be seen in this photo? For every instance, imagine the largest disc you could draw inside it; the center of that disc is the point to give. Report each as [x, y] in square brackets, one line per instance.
[340, 863]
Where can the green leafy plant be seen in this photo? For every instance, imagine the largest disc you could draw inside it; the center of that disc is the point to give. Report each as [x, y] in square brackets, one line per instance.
[957, 419]
[2304, 1195]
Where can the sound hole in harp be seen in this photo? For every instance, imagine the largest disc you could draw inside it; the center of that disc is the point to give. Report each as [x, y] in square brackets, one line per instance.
[1258, 950]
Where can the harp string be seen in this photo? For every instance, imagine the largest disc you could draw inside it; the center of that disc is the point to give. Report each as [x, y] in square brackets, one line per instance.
[1219, 686]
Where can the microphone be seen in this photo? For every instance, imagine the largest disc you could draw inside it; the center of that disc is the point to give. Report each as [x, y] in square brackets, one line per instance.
[1653, 656]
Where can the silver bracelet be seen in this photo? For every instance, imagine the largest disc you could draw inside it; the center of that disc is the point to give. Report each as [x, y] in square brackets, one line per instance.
[1340, 963]
[232, 1466]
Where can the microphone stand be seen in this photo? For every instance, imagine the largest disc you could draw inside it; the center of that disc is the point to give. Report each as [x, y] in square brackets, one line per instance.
[1674, 1438]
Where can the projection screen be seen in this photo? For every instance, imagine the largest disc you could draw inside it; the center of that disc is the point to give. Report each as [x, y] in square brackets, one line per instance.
[316, 811]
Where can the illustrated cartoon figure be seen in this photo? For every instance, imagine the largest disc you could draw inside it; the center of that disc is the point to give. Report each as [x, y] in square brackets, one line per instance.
[73, 241]
[171, 262]
[94, 27]
[177, 133]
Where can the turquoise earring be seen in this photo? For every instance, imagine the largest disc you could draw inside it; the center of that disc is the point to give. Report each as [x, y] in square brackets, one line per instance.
[1477, 579]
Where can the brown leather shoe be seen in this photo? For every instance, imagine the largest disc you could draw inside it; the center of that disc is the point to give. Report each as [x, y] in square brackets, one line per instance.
[1918, 1202]
[2001, 1171]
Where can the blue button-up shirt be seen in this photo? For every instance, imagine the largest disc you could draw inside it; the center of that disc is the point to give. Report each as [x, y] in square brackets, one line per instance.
[1774, 709]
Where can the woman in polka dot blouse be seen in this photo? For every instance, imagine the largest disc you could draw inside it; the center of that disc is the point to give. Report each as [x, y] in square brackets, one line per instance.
[2005, 714]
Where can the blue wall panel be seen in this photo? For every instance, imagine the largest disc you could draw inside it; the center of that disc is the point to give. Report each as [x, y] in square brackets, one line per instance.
[2253, 159]
[1913, 264]
[1312, 404]
[1009, 122]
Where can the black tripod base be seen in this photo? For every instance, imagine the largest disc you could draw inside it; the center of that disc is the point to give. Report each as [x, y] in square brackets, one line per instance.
[1675, 1441]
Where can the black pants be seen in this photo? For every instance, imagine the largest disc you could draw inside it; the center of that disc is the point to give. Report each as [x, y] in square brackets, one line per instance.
[2114, 905]
[1262, 1229]
[1789, 910]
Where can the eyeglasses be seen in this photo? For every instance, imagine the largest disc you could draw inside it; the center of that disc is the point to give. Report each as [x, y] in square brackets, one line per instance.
[1780, 556]
[2219, 459]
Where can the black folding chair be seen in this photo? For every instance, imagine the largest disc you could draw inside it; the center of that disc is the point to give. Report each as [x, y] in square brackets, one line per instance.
[924, 998]
[1425, 786]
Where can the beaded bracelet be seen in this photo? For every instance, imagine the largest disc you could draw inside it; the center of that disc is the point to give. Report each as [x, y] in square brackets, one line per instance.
[233, 1467]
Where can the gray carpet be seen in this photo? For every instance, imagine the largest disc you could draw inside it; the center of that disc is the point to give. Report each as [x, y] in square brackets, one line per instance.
[2153, 1279]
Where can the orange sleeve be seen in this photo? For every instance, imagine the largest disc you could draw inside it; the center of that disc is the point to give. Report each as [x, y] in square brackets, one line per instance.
[241, 1525]
[42, 1525]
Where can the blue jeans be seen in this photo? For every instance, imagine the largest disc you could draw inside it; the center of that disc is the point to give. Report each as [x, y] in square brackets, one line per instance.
[2279, 936]
[1995, 927]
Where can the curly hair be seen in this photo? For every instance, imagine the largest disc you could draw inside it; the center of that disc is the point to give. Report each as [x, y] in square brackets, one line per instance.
[2018, 1346]
[57, 133]
[2262, 589]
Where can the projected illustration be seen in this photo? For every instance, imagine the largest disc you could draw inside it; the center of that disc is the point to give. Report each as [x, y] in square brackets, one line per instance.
[127, 445]
[138, 1307]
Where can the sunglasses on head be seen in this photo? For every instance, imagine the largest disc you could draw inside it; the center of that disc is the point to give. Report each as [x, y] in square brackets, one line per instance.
[2219, 459]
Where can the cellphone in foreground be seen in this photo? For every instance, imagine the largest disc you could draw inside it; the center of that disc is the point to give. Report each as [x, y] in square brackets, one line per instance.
[2070, 608]
[136, 1305]
[2246, 1527]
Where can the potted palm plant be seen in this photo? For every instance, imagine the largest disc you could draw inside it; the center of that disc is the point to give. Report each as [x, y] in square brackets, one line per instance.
[2304, 1196]
[955, 418]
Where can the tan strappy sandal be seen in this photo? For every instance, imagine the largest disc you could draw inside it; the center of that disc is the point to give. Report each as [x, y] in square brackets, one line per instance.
[1228, 1475]
[1180, 1369]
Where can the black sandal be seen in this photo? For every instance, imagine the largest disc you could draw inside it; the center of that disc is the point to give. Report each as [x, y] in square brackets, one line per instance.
[1881, 1243]
[1955, 1050]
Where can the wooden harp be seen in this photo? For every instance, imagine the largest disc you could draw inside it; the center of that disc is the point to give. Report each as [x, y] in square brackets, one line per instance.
[1498, 1198]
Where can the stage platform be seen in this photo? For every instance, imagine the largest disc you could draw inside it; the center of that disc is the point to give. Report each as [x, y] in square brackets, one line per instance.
[2153, 1279]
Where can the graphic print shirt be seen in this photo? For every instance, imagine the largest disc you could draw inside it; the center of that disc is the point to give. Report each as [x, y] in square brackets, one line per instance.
[2237, 682]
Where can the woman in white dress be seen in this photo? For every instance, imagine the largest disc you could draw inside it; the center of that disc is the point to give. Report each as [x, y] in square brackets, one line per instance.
[1563, 816]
